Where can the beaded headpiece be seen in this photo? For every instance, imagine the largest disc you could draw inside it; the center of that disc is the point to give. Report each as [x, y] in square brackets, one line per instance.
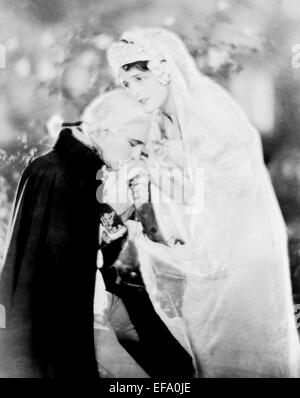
[125, 52]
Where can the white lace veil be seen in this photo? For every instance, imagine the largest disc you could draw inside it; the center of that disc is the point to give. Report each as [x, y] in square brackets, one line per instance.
[235, 257]
[204, 109]
[211, 124]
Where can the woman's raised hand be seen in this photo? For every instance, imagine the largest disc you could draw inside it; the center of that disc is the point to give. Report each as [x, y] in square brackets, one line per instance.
[161, 149]
[170, 152]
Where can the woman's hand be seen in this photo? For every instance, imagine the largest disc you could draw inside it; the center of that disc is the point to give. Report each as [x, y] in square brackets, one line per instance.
[170, 152]
[161, 150]
[135, 229]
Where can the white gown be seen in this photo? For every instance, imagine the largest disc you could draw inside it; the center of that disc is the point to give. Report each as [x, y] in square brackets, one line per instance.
[226, 292]
[230, 304]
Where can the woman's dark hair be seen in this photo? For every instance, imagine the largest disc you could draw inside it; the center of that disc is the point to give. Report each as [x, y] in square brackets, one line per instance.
[140, 65]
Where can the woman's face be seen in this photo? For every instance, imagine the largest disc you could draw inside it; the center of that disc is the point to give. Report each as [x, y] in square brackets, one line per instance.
[144, 88]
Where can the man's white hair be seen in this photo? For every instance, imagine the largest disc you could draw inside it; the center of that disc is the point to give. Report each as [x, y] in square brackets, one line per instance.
[117, 106]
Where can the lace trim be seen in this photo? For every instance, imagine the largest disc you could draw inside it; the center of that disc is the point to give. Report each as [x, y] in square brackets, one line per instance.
[107, 231]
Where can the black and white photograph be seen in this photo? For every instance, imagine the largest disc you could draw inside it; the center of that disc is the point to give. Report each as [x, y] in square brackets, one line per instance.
[149, 191]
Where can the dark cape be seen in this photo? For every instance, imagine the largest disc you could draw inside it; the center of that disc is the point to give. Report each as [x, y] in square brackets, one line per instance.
[48, 279]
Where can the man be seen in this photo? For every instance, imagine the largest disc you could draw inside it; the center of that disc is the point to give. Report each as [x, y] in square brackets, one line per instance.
[48, 280]
[47, 283]
[129, 314]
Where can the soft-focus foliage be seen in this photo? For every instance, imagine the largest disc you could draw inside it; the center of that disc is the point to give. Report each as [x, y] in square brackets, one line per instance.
[4, 214]
[56, 64]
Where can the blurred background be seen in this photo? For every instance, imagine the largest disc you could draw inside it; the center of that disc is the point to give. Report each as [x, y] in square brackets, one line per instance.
[53, 63]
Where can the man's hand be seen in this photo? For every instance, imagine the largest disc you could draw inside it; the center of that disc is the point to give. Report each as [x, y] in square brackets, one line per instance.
[136, 167]
[140, 189]
[135, 229]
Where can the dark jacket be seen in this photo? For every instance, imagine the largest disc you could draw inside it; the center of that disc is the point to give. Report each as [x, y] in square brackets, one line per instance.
[48, 279]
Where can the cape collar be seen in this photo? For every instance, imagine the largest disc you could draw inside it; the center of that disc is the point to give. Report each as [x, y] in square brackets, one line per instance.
[76, 152]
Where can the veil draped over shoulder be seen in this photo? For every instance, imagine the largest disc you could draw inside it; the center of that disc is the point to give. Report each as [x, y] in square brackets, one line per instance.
[225, 293]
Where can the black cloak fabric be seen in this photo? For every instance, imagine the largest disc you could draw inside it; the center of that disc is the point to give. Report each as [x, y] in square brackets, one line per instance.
[47, 283]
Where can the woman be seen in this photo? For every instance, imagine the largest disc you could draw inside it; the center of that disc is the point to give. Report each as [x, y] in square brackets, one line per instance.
[220, 279]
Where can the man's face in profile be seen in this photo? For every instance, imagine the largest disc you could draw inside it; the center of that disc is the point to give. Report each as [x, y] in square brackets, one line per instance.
[118, 142]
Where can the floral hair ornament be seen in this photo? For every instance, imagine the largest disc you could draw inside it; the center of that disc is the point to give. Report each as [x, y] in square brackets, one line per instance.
[126, 51]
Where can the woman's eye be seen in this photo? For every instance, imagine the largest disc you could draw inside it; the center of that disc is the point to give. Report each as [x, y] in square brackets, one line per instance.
[139, 78]
[125, 84]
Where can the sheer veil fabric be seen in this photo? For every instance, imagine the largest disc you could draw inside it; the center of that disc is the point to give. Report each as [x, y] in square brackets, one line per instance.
[225, 293]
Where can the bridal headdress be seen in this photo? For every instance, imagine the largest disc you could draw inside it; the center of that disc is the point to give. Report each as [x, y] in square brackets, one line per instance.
[132, 48]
